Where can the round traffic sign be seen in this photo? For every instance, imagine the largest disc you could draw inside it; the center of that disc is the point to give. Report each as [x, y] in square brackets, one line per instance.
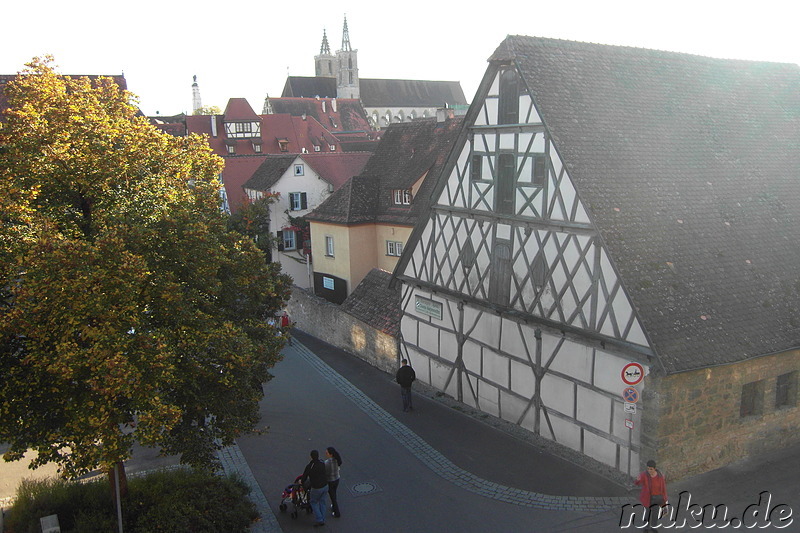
[630, 395]
[632, 373]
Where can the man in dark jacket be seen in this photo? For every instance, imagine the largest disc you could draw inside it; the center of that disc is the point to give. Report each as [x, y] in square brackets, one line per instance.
[318, 478]
[405, 377]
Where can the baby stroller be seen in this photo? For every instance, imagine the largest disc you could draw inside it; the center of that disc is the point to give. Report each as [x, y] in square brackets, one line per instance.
[296, 495]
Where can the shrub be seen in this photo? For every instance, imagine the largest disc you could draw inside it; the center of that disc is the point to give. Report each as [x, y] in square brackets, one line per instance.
[176, 501]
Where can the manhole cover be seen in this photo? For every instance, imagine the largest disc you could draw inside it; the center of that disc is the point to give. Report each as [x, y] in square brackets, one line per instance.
[365, 487]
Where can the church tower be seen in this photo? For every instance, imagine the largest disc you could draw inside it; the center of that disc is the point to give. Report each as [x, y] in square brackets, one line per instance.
[197, 103]
[347, 68]
[325, 63]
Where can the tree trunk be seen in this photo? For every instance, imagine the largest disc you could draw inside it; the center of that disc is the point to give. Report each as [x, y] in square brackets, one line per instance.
[119, 467]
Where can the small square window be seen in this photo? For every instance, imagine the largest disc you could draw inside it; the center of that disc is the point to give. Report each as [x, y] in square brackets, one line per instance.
[257, 148]
[401, 196]
[231, 149]
[786, 390]
[752, 399]
[299, 170]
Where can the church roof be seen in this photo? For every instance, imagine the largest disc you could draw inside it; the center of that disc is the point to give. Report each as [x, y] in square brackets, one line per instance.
[383, 93]
[688, 167]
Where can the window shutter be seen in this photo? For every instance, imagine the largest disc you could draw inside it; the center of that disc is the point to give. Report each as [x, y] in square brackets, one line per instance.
[508, 105]
[303, 202]
[280, 241]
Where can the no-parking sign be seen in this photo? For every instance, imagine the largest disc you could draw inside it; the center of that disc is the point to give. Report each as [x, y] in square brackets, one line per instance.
[630, 395]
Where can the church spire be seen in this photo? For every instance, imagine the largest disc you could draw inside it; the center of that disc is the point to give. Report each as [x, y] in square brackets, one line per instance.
[325, 49]
[197, 103]
[346, 37]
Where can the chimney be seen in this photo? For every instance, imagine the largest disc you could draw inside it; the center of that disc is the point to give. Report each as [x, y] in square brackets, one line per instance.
[444, 113]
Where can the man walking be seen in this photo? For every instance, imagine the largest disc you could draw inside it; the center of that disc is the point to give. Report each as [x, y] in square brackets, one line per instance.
[318, 479]
[405, 377]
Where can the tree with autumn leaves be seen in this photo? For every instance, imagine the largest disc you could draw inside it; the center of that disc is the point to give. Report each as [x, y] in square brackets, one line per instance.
[129, 312]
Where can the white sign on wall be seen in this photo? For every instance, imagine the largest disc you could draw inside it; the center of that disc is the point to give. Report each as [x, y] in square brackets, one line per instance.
[327, 282]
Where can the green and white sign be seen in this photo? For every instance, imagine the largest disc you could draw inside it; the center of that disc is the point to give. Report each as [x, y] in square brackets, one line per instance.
[428, 307]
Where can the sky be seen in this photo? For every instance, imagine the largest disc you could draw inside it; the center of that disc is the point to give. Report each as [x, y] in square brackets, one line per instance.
[243, 48]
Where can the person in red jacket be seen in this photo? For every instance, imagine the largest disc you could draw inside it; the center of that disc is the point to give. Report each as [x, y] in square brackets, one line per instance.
[654, 491]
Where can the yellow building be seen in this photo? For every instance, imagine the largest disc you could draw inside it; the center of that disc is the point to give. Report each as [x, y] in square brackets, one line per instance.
[366, 223]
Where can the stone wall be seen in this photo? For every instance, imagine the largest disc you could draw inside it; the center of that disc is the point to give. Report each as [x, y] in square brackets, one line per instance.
[693, 423]
[328, 322]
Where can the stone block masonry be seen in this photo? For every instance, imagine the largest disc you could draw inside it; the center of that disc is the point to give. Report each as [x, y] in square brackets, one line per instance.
[694, 420]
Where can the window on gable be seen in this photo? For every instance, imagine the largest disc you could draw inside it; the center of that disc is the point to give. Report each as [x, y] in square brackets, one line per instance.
[752, 402]
[476, 171]
[328, 246]
[297, 201]
[786, 390]
[467, 254]
[299, 170]
[508, 104]
[394, 248]
[506, 186]
[500, 274]
[401, 196]
[539, 170]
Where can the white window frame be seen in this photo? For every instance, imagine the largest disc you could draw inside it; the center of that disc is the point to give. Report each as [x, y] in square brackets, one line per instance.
[402, 196]
[289, 240]
[295, 201]
[394, 248]
[299, 170]
[329, 246]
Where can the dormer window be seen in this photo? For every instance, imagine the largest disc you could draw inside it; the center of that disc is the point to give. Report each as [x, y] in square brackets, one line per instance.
[333, 147]
[243, 130]
[257, 146]
[230, 146]
[401, 196]
[283, 144]
[317, 148]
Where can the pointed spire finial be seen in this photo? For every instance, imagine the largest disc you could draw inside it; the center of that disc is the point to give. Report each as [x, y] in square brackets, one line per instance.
[346, 37]
[325, 49]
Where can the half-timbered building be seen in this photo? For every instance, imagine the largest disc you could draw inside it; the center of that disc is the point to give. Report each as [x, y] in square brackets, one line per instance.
[611, 255]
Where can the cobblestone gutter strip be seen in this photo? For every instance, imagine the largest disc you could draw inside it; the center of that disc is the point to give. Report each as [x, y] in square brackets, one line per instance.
[233, 462]
[443, 466]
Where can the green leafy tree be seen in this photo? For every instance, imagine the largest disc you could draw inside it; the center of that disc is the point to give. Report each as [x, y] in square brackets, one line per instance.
[131, 313]
[208, 110]
[252, 219]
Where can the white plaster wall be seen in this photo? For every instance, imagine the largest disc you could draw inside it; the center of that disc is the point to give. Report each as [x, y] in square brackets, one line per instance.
[511, 407]
[599, 448]
[566, 433]
[573, 359]
[594, 409]
[489, 398]
[558, 394]
[429, 339]
[471, 356]
[523, 381]
[608, 372]
[496, 368]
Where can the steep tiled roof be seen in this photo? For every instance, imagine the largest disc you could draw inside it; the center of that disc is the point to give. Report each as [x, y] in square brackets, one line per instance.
[690, 169]
[382, 93]
[269, 172]
[239, 109]
[334, 168]
[407, 152]
[349, 114]
[375, 303]
[410, 93]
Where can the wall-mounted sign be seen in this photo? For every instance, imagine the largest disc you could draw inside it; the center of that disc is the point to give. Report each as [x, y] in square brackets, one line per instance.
[327, 282]
[629, 408]
[630, 395]
[632, 373]
[629, 424]
[428, 307]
